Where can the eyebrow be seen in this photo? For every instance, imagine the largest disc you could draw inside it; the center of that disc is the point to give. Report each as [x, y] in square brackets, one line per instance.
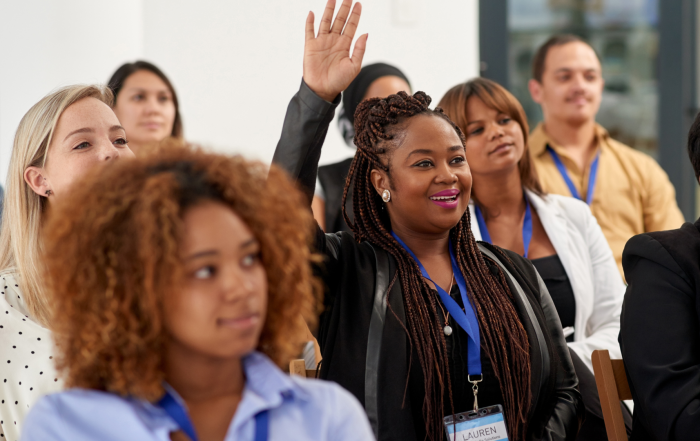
[91, 130]
[207, 253]
[428, 151]
[568, 69]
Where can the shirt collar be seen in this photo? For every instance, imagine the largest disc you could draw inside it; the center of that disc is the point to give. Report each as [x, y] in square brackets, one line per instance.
[539, 139]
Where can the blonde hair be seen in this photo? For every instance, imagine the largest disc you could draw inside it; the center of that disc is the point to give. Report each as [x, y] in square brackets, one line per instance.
[20, 244]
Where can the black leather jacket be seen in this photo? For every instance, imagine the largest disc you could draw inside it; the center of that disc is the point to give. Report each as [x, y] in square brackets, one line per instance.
[363, 346]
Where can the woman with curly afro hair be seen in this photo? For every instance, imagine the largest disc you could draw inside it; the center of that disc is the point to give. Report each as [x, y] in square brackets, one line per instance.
[176, 280]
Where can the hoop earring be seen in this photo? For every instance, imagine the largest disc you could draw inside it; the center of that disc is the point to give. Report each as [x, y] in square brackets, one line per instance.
[386, 195]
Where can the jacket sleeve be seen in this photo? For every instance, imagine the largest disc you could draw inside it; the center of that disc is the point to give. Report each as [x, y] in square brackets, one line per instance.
[303, 133]
[298, 152]
[566, 417]
[660, 341]
[603, 325]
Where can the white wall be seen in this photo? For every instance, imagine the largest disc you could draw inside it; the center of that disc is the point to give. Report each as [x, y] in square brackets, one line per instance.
[46, 44]
[235, 64]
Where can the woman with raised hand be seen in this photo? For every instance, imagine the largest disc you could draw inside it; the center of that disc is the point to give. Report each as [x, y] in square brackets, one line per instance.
[146, 103]
[62, 137]
[174, 314]
[418, 318]
[558, 234]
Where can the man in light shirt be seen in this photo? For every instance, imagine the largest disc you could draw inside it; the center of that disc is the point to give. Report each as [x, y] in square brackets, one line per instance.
[627, 191]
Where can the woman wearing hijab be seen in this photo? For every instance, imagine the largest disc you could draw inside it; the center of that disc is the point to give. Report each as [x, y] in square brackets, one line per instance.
[374, 80]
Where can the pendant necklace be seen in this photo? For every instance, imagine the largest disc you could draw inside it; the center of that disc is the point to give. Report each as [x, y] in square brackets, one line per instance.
[447, 329]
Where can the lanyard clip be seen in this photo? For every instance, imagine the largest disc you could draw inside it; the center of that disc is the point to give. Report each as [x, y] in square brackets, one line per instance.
[475, 388]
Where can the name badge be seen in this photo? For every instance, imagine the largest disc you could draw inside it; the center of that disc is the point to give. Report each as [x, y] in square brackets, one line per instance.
[485, 424]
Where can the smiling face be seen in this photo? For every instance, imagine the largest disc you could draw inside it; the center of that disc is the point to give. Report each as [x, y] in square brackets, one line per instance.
[87, 135]
[429, 179]
[220, 310]
[495, 141]
[572, 84]
[146, 108]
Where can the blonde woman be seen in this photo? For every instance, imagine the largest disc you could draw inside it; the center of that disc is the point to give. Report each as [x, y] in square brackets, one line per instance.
[59, 139]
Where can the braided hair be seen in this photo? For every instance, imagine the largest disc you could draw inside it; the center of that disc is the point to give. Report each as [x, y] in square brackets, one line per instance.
[504, 338]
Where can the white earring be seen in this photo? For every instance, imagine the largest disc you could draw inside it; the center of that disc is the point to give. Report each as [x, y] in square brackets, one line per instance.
[386, 195]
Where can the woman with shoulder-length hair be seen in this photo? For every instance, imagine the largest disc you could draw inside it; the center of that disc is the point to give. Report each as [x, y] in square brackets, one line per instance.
[58, 140]
[146, 103]
[174, 315]
[558, 234]
[418, 317]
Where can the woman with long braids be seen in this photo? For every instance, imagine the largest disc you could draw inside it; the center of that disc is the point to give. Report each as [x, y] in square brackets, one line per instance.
[402, 291]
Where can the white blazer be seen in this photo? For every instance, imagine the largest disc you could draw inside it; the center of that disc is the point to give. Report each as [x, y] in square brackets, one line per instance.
[589, 264]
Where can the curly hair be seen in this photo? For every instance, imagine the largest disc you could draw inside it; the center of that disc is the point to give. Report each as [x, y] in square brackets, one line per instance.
[112, 258]
[505, 341]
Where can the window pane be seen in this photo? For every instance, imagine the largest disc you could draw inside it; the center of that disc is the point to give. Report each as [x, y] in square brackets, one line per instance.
[625, 35]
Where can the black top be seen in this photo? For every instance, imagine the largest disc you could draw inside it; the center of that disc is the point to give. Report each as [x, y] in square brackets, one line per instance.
[462, 393]
[557, 281]
[332, 179]
[660, 332]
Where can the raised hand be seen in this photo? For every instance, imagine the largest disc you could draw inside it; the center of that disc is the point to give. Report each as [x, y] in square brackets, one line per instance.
[328, 67]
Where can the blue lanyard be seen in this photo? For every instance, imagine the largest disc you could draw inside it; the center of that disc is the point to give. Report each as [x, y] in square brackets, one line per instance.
[527, 227]
[569, 183]
[465, 318]
[178, 413]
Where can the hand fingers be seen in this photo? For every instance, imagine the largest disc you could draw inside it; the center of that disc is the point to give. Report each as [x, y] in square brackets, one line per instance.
[310, 26]
[325, 25]
[354, 21]
[341, 16]
[358, 51]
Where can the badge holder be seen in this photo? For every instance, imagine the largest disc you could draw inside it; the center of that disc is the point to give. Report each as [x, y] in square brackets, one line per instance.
[485, 424]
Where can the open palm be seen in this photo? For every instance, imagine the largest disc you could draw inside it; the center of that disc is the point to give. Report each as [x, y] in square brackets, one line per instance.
[328, 67]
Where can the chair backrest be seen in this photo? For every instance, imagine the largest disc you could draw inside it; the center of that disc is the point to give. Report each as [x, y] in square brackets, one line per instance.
[611, 380]
[298, 367]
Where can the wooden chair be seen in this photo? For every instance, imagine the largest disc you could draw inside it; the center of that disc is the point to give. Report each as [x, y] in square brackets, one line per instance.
[298, 367]
[611, 380]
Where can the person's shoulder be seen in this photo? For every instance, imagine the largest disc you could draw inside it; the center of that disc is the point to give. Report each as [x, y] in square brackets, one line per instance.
[632, 156]
[574, 211]
[56, 416]
[570, 207]
[674, 249]
[331, 406]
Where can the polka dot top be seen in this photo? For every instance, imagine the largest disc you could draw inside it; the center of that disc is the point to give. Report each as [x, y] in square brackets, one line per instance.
[26, 359]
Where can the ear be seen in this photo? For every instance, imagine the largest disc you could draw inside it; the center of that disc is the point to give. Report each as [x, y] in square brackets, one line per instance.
[34, 177]
[380, 180]
[535, 90]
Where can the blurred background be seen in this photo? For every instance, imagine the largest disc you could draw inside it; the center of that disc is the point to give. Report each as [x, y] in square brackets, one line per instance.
[236, 64]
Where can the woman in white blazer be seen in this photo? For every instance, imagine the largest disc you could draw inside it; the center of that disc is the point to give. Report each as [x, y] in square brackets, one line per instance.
[557, 233]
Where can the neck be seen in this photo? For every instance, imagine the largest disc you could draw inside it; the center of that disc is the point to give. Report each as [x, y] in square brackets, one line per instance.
[579, 137]
[499, 193]
[199, 378]
[423, 245]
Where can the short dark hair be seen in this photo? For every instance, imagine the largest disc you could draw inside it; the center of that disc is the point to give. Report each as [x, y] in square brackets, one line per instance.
[126, 70]
[694, 145]
[555, 40]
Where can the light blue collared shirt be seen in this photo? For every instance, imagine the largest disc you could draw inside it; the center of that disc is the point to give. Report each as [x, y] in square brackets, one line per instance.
[299, 409]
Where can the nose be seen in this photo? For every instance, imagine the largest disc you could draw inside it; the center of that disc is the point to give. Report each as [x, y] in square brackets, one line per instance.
[495, 131]
[445, 175]
[108, 151]
[235, 285]
[152, 105]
